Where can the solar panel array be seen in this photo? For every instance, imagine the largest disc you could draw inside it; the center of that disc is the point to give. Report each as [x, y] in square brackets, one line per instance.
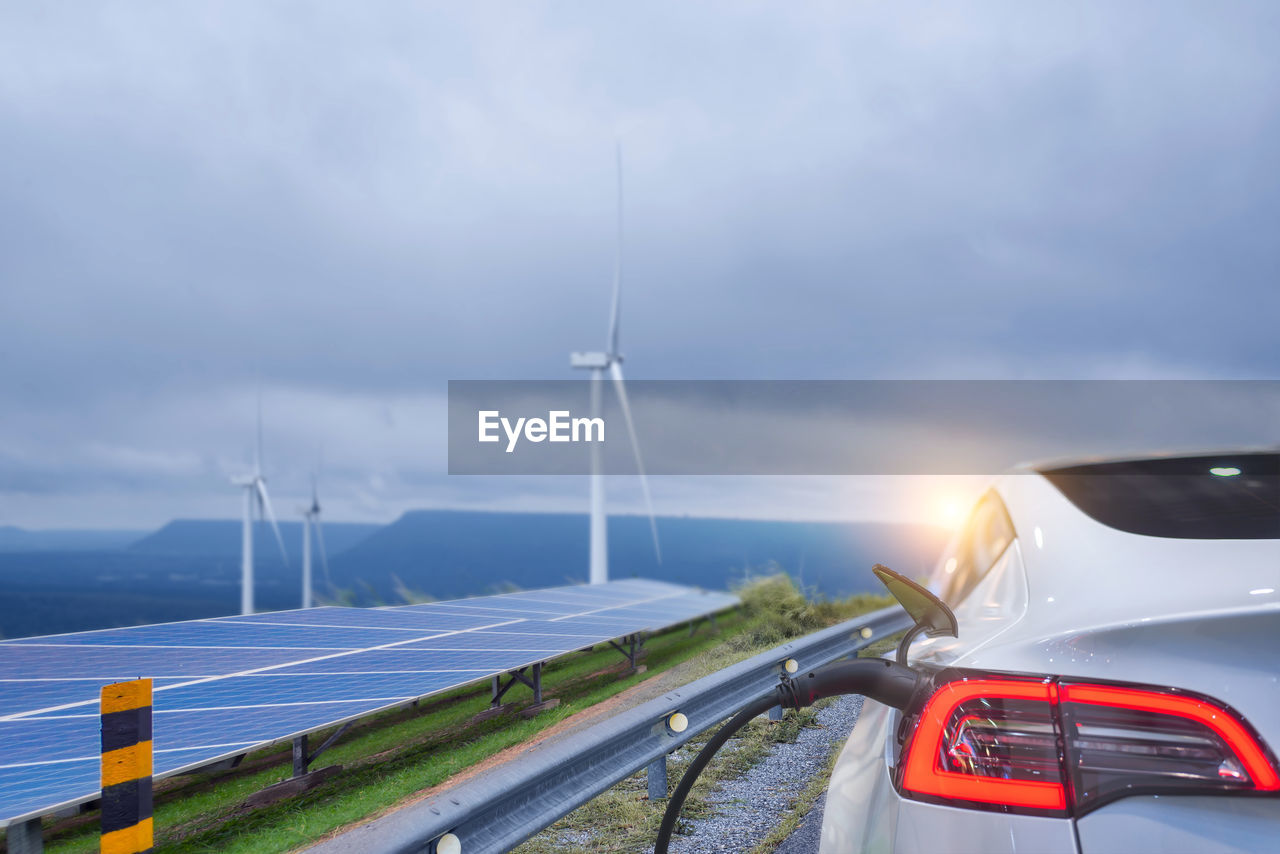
[227, 685]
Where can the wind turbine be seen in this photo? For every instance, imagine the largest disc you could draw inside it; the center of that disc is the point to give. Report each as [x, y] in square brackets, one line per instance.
[598, 363]
[255, 494]
[310, 517]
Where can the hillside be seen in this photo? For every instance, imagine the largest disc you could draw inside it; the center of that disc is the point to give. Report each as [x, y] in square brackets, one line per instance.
[14, 539]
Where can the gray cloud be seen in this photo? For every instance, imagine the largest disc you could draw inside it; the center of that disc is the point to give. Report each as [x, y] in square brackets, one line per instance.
[351, 205]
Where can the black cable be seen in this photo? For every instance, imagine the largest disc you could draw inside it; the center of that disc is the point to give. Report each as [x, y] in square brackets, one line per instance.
[876, 678]
[737, 722]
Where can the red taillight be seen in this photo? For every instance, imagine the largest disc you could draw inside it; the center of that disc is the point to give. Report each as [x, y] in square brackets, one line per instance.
[1052, 747]
[1123, 740]
[990, 741]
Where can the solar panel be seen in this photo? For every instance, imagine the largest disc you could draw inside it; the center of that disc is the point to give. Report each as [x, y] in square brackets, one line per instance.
[228, 685]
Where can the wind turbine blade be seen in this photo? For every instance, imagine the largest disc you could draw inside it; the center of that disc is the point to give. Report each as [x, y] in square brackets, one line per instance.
[324, 553]
[617, 268]
[271, 516]
[615, 371]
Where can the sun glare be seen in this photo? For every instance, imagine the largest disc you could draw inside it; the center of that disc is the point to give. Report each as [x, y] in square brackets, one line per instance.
[950, 513]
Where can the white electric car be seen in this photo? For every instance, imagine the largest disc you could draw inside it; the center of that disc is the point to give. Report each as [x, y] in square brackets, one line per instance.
[1115, 685]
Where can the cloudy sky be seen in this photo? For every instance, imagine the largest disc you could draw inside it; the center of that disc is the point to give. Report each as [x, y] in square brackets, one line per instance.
[347, 205]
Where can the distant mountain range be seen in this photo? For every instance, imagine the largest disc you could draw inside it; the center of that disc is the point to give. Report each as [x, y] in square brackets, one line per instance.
[13, 539]
[57, 581]
[445, 553]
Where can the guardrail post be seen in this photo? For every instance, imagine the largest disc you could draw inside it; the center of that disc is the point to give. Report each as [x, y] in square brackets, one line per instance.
[25, 837]
[656, 776]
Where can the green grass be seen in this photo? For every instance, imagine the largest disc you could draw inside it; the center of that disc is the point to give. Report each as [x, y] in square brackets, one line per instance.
[394, 756]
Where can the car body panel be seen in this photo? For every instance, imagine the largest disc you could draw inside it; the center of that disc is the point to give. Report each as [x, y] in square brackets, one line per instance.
[867, 804]
[1206, 825]
[930, 829]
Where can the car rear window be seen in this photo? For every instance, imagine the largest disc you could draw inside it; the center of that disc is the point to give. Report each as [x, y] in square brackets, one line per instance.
[1234, 496]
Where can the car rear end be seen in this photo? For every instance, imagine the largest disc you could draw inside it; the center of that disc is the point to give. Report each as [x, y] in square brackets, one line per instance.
[1115, 683]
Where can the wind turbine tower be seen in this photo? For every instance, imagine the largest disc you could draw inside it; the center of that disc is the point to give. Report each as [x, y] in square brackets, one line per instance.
[598, 362]
[310, 519]
[255, 497]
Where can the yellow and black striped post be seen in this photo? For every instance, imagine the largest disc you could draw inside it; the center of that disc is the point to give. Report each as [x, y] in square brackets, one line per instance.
[126, 767]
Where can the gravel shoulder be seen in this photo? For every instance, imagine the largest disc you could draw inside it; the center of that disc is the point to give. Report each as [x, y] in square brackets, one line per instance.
[748, 808]
[807, 836]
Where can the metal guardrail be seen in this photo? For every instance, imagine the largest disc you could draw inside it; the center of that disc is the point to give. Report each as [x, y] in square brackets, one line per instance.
[502, 807]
